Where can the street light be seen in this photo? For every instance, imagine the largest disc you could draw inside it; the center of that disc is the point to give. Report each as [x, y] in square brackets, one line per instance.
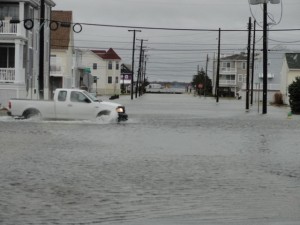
[265, 48]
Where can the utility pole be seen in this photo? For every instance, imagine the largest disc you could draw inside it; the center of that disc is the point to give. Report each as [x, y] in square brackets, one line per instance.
[132, 64]
[205, 75]
[253, 61]
[248, 64]
[142, 73]
[218, 67]
[265, 59]
[140, 68]
[265, 47]
[42, 44]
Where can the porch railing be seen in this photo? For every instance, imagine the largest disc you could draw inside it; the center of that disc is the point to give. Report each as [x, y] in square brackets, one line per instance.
[8, 28]
[228, 70]
[227, 82]
[7, 75]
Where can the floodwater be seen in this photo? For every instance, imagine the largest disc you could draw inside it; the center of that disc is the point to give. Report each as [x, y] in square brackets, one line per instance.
[178, 160]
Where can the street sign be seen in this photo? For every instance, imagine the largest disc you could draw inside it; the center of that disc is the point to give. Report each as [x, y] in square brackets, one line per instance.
[200, 86]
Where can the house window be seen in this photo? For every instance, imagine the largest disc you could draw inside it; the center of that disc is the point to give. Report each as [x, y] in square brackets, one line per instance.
[110, 65]
[117, 65]
[7, 56]
[226, 64]
[240, 78]
[109, 80]
[117, 80]
[244, 65]
[94, 66]
[9, 11]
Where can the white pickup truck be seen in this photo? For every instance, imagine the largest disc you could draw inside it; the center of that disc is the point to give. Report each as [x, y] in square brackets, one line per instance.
[68, 104]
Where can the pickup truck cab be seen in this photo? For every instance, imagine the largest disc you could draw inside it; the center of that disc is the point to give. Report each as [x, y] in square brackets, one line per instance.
[68, 104]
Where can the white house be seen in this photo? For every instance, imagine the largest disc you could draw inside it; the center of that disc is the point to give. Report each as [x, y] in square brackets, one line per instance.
[62, 50]
[20, 49]
[233, 71]
[275, 59]
[104, 66]
[290, 70]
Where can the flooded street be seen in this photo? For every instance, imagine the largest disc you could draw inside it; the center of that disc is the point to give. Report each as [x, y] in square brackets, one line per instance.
[179, 160]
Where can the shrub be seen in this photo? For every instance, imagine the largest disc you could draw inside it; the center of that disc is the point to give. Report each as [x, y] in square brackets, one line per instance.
[294, 94]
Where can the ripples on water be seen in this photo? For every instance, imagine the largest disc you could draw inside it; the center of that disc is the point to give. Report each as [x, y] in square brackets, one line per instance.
[157, 168]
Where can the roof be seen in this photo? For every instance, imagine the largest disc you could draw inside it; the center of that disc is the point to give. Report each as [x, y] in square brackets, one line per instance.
[293, 60]
[126, 68]
[108, 55]
[60, 38]
[241, 56]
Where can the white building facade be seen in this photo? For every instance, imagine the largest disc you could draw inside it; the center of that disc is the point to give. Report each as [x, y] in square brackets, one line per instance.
[103, 66]
[20, 49]
[62, 51]
[290, 70]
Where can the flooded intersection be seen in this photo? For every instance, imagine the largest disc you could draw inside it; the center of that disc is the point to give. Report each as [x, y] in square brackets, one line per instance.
[178, 160]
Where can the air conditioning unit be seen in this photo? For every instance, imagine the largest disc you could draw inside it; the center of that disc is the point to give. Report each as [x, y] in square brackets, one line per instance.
[256, 2]
[270, 75]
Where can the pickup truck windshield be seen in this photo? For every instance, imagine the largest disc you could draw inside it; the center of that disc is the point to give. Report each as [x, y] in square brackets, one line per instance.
[94, 99]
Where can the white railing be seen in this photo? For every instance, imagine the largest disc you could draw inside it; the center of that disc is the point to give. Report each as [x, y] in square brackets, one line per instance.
[8, 28]
[228, 70]
[227, 82]
[7, 75]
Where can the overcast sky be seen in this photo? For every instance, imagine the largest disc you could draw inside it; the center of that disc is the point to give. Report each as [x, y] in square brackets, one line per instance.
[174, 55]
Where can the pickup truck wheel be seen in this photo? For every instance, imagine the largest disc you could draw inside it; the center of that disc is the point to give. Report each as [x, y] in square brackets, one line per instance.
[30, 113]
[103, 116]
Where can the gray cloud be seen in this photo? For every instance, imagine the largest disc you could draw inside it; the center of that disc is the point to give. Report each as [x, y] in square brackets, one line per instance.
[209, 14]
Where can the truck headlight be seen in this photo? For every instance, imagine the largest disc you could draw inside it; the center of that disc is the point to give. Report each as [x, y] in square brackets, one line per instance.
[120, 109]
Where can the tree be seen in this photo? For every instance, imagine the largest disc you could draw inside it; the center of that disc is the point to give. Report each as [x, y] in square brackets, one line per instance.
[294, 94]
[202, 83]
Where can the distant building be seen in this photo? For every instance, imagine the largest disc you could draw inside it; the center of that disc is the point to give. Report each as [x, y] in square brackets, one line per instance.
[233, 75]
[104, 66]
[233, 72]
[126, 73]
[290, 70]
[62, 49]
[275, 60]
[19, 49]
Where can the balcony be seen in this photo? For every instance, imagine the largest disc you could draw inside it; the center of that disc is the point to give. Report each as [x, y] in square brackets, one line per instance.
[227, 82]
[8, 28]
[7, 75]
[228, 70]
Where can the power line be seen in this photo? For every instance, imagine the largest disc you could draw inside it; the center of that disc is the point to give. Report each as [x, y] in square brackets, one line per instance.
[167, 28]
